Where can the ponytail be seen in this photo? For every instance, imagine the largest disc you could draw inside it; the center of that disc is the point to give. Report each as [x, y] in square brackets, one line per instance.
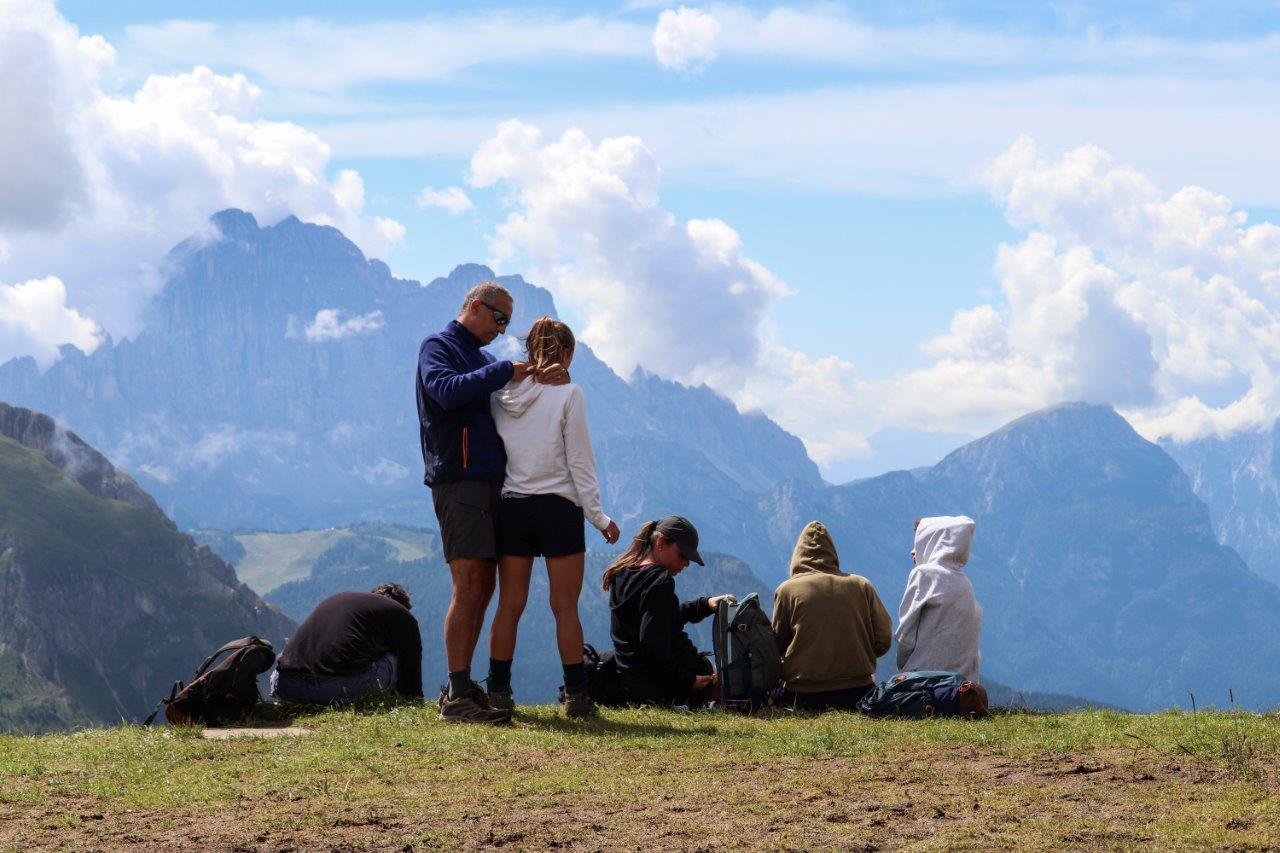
[641, 546]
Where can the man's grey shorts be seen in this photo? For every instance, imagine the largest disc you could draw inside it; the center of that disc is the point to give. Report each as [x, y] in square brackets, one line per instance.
[468, 514]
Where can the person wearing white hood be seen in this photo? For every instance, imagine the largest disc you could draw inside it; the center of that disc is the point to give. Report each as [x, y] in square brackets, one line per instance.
[940, 621]
[550, 485]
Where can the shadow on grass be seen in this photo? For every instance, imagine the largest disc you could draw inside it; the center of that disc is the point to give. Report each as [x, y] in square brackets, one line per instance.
[278, 713]
[604, 725]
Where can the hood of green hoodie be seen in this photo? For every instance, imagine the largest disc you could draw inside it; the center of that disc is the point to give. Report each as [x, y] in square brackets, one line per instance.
[815, 551]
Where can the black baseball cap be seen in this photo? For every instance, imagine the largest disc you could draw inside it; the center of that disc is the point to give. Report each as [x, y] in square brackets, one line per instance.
[681, 531]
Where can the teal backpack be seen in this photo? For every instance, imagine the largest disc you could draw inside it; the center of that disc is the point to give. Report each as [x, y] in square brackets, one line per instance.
[748, 665]
[916, 695]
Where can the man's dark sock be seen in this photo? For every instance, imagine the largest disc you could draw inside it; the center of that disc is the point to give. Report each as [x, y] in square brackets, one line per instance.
[459, 682]
[499, 674]
[575, 678]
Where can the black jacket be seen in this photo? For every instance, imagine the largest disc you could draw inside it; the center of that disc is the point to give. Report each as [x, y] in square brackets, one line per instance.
[647, 625]
[348, 631]
[455, 379]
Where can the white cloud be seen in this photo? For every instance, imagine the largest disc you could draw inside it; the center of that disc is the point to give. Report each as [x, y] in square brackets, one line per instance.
[452, 199]
[884, 140]
[327, 325]
[311, 55]
[685, 39]
[681, 298]
[1166, 305]
[99, 185]
[35, 320]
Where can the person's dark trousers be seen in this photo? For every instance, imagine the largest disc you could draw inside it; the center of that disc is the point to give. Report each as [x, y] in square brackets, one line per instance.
[826, 700]
[641, 690]
[335, 689]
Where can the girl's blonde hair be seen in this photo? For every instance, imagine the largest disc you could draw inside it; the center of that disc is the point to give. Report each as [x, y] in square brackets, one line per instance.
[548, 341]
[641, 547]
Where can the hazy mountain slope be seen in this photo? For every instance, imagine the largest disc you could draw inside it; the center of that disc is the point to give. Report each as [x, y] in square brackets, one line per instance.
[1095, 563]
[103, 602]
[1238, 478]
[234, 416]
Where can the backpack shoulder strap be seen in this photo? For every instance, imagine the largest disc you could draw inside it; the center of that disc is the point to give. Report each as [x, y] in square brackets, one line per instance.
[234, 645]
[173, 691]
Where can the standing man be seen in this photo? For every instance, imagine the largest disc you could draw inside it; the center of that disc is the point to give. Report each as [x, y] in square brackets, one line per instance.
[465, 467]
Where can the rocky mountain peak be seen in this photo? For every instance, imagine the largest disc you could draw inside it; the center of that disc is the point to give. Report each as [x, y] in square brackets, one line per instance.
[72, 456]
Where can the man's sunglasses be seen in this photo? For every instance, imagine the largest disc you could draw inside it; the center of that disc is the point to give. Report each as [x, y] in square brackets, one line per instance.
[499, 317]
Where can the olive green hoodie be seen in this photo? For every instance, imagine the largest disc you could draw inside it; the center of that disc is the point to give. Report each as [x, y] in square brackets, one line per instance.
[831, 627]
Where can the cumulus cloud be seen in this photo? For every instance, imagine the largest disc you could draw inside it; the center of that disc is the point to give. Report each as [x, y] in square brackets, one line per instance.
[35, 320]
[452, 199]
[681, 298]
[328, 325]
[1165, 305]
[100, 184]
[685, 39]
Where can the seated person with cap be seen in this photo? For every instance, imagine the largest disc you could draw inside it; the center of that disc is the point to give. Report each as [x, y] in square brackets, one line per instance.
[657, 662]
[350, 645]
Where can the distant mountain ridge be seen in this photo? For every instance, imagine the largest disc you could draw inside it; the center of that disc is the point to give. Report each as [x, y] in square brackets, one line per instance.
[226, 410]
[103, 602]
[1096, 565]
[1238, 478]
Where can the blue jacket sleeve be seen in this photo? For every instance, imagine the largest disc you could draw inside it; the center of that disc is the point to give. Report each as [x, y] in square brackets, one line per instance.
[451, 389]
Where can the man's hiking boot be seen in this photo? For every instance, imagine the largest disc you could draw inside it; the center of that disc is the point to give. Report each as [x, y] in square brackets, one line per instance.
[470, 707]
[503, 699]
[578, 706]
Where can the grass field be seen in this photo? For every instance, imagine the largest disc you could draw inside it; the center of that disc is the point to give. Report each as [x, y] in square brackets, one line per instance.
[396, 776]
[273, 559]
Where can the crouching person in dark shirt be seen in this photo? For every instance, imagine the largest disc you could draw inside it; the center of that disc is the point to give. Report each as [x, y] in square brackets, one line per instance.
[351, 644]
[657, 662]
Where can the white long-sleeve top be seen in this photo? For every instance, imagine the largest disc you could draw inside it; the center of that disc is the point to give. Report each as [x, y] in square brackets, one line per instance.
[544, 429]
[940, 621]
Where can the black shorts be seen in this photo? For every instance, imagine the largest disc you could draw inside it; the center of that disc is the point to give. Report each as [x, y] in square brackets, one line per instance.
[468, 514]
[540, 526]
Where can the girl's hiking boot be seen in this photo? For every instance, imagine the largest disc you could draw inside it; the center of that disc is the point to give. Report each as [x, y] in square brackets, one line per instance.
[578, 706]
[471, 707]
[503, 699]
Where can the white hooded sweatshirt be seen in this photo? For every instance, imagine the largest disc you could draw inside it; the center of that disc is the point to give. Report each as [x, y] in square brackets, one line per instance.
[544, 429]
[940, 622]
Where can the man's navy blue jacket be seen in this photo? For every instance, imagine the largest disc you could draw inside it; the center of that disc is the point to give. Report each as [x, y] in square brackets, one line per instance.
[455, 379]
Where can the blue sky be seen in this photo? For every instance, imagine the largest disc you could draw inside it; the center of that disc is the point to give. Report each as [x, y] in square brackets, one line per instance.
[847, 145]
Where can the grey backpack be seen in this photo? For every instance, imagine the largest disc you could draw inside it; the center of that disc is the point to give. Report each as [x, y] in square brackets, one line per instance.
[748, 666]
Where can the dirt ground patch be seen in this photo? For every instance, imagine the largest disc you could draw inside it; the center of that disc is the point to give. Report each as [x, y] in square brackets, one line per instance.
[952, 798]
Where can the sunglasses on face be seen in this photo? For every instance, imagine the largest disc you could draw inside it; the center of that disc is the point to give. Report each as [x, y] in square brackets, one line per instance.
[498, 316]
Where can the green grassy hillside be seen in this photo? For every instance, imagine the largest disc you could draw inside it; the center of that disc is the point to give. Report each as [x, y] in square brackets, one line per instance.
[103, 603]
[398, 778]
[265, 560]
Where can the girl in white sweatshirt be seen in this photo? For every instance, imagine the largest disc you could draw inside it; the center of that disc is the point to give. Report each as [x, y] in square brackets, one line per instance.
[550, 486]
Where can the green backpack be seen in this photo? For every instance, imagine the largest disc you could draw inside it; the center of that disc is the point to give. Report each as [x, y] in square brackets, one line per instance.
[748, 665]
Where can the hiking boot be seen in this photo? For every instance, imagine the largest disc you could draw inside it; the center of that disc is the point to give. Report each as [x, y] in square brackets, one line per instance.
[502, 698]
[470, 707]
[578, 706]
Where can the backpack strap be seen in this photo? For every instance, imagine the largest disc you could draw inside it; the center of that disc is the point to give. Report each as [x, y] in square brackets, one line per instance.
[234, 645]
[173, 691]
